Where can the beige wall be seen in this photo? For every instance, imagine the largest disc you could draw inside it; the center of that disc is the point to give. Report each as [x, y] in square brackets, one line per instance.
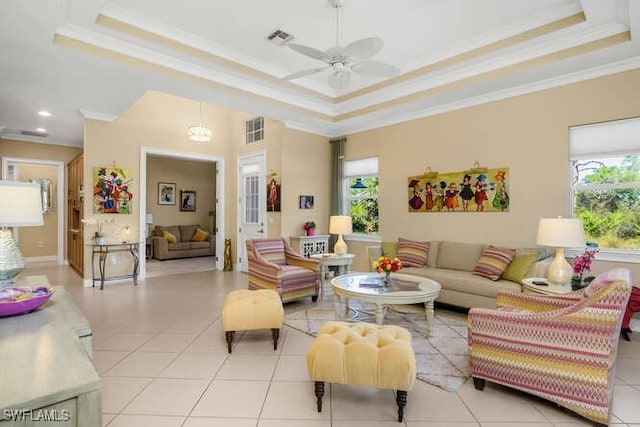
[160, 121]
[307, 172]
[29, 236]
[187, 175]
[528, 134]
[40, 241]
[30, 150]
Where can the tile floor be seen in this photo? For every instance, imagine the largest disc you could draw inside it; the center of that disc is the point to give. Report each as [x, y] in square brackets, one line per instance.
[160, 351]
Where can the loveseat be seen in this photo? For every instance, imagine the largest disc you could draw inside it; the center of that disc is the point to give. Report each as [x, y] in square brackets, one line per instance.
[181, 241]
[452, 265]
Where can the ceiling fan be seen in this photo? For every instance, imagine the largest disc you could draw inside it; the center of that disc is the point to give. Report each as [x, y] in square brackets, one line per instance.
[343, 60]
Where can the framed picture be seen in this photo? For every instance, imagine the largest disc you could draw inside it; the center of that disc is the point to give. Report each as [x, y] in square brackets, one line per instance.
[306, 202]
[187, 201]
[166, 193]
[273, 193]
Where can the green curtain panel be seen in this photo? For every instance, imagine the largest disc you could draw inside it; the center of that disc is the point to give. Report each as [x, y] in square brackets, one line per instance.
[337, 175]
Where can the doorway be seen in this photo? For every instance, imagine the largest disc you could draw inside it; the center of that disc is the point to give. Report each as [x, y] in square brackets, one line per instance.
[217, 223]
[252, 203]
[21, 169]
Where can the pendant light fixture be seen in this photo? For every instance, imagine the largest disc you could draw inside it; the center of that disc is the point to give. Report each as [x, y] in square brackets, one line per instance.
[199, 133]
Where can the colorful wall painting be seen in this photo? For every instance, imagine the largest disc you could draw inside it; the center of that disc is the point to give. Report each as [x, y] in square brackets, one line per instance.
[475, 190]
[111, 190]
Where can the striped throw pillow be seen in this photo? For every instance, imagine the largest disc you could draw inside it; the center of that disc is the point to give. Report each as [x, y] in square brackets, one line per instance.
[412, 253]
[494, 262]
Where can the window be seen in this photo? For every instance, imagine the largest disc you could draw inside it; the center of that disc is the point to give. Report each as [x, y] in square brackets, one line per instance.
[255, 129]
[605, 171]
[361, 182]
[607, 198]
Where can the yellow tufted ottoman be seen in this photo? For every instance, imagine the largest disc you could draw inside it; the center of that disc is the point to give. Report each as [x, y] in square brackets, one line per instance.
[363, 354]
[245, 310]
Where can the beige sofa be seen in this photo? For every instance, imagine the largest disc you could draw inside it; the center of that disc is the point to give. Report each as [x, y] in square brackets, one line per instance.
[451, 264]
[184, 247]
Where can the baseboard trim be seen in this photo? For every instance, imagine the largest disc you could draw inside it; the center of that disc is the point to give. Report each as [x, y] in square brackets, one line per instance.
[46, 258]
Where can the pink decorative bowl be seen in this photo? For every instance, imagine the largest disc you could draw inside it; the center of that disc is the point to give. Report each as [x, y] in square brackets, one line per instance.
[10, 307]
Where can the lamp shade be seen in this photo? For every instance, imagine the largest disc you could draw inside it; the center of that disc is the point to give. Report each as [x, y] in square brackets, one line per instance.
[561, 232]
[340, 224]
[21, 204]
[149, 219]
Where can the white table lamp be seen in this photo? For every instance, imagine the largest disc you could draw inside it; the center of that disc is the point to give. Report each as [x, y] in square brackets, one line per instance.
[561, 233]
[21, 207]
[340, 225]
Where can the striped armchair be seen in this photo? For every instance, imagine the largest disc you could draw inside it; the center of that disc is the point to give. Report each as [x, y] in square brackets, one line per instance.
[274, 265]
[561, 348]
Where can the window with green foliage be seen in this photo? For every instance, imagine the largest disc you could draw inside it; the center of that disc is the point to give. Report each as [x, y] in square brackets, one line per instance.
[606, 195]
[363, 204]
[361, 194]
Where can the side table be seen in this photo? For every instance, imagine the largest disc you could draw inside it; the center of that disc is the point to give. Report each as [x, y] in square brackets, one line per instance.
[148, 248]
[550, 289]
[343, 262]
[103, 251]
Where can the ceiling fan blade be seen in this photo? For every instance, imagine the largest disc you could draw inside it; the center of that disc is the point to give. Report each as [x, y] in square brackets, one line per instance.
[311, 52]
[363, 48]
[339, 80]
[304, 73]
[375, 69]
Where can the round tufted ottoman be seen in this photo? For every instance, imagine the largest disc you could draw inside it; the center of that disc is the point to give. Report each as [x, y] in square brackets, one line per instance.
[245, 310]
[363, 354]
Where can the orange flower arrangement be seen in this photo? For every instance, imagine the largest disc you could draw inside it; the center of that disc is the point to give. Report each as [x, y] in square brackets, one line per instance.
[387, 265]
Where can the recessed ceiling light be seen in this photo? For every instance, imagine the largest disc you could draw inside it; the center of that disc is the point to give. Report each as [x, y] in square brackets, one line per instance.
[41, 130]
[44, 113]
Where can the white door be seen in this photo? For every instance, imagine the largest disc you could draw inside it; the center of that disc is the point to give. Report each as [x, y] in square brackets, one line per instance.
[252, 203]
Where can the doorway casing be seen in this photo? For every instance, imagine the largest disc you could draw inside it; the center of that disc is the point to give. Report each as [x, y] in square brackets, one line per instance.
[183, 155]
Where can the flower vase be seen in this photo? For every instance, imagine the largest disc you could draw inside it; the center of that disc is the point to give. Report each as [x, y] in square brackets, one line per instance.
[311, 232]
[387, 278]
[100, 240]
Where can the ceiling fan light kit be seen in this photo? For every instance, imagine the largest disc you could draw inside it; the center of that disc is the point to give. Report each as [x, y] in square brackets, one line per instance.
[343, 60]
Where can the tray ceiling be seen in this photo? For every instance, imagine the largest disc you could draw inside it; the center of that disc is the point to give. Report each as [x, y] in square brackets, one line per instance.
[91, 58]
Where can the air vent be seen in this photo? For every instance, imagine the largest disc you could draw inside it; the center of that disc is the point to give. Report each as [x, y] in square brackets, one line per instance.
[279, 37]
[32, 133]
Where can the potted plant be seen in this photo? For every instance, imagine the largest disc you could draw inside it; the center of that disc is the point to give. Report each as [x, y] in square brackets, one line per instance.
[98, 235]
[310, 228]
[580, 264]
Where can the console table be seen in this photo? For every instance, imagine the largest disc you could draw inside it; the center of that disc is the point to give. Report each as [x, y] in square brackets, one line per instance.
[102, 251]
[47, 371]
[309, 245]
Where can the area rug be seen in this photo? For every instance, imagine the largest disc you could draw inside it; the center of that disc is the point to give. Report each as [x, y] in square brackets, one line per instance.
[442, 356]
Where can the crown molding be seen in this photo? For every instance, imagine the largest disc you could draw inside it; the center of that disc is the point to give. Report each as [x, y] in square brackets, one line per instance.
[213, 72]
[502, 33]
[316, 130]
[514, 55]
[39, 140]
[94, 115]
[588, 74]
[119, 13]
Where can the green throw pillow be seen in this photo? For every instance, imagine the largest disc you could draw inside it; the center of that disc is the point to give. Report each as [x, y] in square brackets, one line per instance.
[518, 268]
[389, 249]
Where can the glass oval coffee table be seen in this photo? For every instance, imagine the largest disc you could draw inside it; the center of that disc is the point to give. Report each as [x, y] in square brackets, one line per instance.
[369, 287]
